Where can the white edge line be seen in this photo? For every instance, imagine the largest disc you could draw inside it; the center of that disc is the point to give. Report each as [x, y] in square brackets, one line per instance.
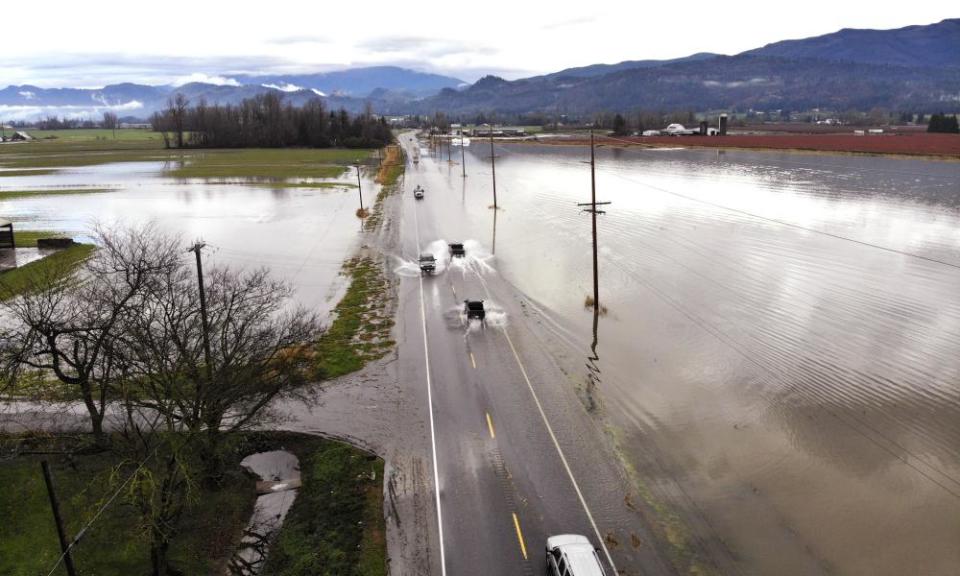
[556, 443]
[433, 435]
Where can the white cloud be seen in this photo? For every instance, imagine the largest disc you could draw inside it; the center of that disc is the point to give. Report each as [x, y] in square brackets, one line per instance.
[27, 94]
[205, 79]
[285, 87]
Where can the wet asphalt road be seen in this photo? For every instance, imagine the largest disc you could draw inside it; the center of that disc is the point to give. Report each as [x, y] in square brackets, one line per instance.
[517, 456]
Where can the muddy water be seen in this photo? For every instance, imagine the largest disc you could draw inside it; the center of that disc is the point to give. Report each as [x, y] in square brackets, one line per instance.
[781, 352]
[302, 234]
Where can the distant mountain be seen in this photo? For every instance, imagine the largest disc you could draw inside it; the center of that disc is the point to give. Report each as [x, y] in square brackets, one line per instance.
[602, 69]
[385, 87]
[360, 82]
[912, 68]
[724, 82]
[916, 46]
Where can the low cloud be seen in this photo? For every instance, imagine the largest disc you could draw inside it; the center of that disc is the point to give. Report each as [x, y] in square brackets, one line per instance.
[205, 79]
[285, 87]
[29, 113]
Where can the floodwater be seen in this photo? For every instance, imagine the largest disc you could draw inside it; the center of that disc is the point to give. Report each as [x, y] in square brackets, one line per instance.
[303, 235]
[781, 351]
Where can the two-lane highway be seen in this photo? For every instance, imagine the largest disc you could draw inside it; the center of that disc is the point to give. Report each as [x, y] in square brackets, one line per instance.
[516, 457]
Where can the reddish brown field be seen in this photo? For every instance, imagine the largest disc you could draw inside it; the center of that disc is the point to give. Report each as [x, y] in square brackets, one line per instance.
[946, 145]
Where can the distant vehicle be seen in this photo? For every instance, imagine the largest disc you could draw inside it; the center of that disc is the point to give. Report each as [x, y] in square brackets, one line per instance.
[474, 310]
[572, 555]
[461, 141]
[651, 133]
[457, 250]
[418, 192]
[428, 264]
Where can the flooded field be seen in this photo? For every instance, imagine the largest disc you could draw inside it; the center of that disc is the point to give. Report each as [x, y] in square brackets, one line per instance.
[301, 233]
[781, 352]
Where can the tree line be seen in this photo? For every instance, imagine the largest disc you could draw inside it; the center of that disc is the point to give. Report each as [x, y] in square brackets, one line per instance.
[943, 123]
[266, 121]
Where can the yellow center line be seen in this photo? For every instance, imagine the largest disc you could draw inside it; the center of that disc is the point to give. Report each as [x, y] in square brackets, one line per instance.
[523, 546]
[490, 426]
[473, 361]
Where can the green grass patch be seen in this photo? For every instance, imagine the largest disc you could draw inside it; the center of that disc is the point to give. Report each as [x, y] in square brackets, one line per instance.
[267, 163]
[52, 268]
[336, 525]
[28, 238]
[305, 185]
[97, 134]
[361, 331]
[14, 194]
[113, 545]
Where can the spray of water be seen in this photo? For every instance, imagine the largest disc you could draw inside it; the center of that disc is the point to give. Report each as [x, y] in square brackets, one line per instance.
[411, 268]
[495, 317]
[476, 259]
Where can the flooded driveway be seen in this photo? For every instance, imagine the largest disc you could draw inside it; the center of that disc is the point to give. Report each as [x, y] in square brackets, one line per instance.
[302, 234]
[781, 355]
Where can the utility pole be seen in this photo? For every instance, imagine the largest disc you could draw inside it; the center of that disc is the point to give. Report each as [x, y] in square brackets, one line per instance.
[593, 212]
[463, 154]
[196, 248]
[379, 158]
[359, 187]
[55, 505]
[493, 169]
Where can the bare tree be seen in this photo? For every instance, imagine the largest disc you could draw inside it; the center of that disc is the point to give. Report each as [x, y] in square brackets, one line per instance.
[111, 122]
[72, 330]
[259, 352]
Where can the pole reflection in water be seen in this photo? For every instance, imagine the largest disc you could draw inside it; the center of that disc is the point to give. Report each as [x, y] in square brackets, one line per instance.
[493, 243]
[593, 365]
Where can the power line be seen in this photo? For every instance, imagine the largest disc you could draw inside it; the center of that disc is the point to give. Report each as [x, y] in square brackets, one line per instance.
[790, 224]
[96, 516]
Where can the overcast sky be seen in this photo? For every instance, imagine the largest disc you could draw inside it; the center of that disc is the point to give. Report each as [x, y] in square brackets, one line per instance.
[89, 44]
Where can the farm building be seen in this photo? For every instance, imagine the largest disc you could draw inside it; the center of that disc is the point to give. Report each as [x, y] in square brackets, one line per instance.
[6, 234]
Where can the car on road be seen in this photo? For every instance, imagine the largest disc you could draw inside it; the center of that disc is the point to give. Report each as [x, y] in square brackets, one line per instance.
[572, 555]
[428, 264]
[418, 192]
[457, 250]
[474, 310]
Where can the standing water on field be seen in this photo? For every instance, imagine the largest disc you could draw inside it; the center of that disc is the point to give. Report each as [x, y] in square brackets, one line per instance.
[301, 234]
[780, 357]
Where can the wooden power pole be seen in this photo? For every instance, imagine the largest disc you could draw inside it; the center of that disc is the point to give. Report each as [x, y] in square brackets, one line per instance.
[207, 356]
[592, 209]
[493, 168]
[359, 187]
[61, 533]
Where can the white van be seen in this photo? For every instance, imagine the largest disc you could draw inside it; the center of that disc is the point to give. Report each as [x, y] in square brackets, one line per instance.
[572, 555]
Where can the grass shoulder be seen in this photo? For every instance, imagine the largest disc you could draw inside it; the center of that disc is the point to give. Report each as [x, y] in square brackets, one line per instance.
[361, 329]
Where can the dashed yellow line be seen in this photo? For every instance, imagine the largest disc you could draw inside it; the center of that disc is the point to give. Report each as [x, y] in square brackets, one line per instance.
[523, 546]
[473, 361]
[490, 426]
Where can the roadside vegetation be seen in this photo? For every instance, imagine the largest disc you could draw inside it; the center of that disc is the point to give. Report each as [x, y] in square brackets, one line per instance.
[363, 321]
[389, 177]
[335, 526]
